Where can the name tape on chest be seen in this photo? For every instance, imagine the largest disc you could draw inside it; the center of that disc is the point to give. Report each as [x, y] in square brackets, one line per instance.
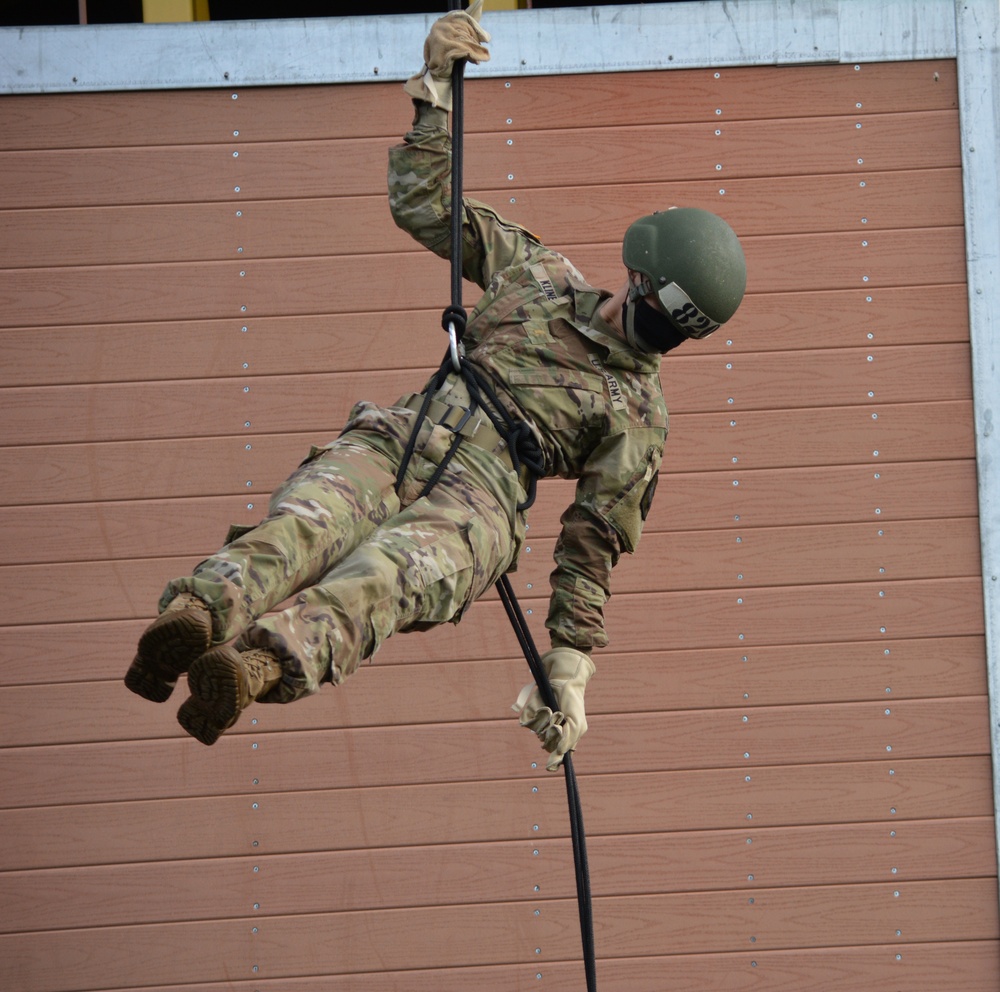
[617, 400]
[543, 280]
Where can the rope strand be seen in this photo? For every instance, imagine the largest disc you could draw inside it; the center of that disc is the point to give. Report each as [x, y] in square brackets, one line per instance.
[580, 863]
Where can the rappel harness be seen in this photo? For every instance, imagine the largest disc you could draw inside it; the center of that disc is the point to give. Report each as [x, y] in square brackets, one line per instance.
[527, 462]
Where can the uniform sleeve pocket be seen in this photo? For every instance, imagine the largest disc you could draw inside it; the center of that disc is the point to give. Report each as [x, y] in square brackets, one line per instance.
[628, 511]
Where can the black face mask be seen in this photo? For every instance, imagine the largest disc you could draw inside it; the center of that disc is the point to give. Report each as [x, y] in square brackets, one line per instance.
[649, 330]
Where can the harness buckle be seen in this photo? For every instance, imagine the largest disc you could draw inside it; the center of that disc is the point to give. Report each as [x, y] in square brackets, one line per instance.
[466, 417]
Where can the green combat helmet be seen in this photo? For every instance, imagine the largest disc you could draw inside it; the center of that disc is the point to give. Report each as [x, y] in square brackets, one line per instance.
[692, 260]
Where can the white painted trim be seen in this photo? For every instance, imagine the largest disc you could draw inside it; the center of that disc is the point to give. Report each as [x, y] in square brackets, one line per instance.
[533, 42]
[979, 105]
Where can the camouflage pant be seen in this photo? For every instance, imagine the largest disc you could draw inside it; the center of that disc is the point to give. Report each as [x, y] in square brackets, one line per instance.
[361, 562]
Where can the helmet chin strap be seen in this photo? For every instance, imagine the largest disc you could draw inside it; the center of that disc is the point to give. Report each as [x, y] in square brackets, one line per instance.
[640, 289]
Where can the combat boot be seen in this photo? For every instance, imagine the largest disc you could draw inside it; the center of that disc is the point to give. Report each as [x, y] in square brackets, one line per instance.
[168, 646]
[223, 684]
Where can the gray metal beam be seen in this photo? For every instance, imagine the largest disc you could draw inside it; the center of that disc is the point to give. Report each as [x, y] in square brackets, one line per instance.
[979, 107]
[535, 42]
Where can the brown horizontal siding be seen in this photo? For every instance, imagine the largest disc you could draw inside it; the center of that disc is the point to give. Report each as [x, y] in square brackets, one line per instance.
[790, 147]
[47, 532]
[88, 120]
[218, 348]
[272, 287]
[842, 671]
[131, 585]
[807, 203]
[673, 741]
[366, 341]
[798, 643]
[110, 235]
[912, 791]
[831, 319]
[56, 709]
[803, 439]
[635, 926]
[165, 409]
[620, 865]
[674, 562]
[927, 967]
[739, 93]
[285, 113]
[266, 114]
[241, 169]
[695, 500]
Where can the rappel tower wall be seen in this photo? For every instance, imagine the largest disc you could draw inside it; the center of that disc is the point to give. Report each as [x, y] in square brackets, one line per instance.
[787, 781]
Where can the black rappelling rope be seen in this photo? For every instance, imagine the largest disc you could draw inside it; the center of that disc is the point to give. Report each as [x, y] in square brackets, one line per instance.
[519, 446]
[524, 451]
[517, 621]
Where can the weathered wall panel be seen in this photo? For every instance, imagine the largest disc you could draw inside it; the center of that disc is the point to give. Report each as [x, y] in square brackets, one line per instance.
[787, 776]
[303, 227]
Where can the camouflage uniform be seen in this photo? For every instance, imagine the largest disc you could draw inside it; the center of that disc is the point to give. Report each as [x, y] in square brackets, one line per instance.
[366, 562]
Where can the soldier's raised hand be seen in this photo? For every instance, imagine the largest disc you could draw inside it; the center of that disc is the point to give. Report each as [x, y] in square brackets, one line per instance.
[456, 35]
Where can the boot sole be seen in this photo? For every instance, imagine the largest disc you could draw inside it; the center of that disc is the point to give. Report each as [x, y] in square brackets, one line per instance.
[199, 721]
[167, 648]
[216, 683]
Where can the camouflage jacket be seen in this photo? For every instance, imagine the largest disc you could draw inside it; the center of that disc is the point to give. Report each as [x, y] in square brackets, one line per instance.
[594, 403]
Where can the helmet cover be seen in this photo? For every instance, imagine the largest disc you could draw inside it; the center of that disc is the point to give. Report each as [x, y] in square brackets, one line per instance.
[692, 260]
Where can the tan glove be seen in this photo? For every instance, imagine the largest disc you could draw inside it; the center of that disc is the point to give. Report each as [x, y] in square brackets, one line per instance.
[569, 672]
[455, 36]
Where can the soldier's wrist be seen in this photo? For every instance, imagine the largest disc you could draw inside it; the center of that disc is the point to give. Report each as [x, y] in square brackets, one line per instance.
[429, 114]
[555, 641]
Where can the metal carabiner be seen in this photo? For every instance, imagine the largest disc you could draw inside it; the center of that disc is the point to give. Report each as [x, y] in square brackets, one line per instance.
[455, 347]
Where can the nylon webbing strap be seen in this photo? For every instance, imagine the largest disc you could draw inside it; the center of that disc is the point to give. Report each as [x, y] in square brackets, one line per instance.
[507, 596]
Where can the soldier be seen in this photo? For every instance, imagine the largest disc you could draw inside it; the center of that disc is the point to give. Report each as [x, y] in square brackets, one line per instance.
[354, 534]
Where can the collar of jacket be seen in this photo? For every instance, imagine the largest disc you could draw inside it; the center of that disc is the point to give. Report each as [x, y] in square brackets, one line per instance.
[590, 322]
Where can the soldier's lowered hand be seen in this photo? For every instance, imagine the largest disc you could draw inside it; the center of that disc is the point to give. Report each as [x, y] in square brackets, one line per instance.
[569, 672]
